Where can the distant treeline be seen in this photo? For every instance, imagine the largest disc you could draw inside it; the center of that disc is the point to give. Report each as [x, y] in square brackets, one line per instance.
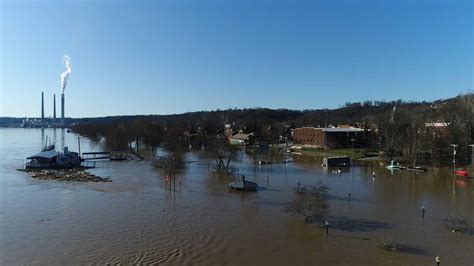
[398, 128]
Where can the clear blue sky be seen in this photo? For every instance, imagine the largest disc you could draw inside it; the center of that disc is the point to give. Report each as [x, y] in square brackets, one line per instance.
[161, 57]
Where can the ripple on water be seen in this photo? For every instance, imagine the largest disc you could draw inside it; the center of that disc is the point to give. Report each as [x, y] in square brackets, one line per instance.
[160, 235]
[132, 220]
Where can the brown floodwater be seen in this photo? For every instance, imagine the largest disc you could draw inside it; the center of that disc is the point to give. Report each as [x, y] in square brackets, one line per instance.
[134, 220]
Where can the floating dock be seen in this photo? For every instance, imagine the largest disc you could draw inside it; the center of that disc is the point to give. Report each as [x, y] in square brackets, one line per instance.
[105, 155]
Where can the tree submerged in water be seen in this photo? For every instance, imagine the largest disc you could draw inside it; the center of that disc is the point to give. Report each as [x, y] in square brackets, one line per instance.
[310, 203]
[387, 244]
[170, 162]
[456, 224]
[223, 154]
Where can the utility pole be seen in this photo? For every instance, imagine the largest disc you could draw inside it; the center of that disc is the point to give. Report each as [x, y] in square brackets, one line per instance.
[54, 110]
[454, 156]
[326, 135]
[174, 175]
[42, 109]
[79, 145]
[472, 157]
[352, 151]
[170, 162]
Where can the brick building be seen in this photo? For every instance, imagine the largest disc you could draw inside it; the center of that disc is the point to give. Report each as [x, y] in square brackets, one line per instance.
[308, 136]
[334, 137]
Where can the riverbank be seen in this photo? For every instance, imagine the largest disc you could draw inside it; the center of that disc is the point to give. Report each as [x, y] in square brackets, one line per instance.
[356, 154]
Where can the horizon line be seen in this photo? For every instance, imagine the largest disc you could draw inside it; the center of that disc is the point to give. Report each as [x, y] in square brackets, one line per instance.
[255, 108]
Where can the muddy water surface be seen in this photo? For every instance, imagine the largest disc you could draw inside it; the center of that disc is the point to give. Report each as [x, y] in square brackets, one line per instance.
[134, 220]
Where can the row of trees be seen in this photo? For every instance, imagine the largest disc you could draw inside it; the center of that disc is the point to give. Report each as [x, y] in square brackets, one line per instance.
[400, 130]
[176, 137]
[423, 133]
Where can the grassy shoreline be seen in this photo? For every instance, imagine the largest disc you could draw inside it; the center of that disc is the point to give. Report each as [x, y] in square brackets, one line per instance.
[318, 152]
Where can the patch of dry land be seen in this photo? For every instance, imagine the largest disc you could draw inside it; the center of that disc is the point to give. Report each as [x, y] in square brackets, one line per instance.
[74, 175]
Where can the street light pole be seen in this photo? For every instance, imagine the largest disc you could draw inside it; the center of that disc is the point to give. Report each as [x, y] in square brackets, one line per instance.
[174, 176]
[189, 153]
[472, 157]
[454, 156]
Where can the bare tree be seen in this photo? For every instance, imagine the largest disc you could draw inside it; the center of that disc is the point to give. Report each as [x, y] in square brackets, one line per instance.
[456, 224]
[387, 244]
[153, 136]
[223, 154]
[310, 203]
[416, 129]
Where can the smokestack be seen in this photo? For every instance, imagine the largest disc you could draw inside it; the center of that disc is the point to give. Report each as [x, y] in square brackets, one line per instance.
[54, 108]
[64, 78]
[42, 109]
[65, 75]
[62, 109]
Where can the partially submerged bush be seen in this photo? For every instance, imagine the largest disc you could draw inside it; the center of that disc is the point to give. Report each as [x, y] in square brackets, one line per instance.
[170, 162]
[456, 224]
[310, 203]
[387, 244]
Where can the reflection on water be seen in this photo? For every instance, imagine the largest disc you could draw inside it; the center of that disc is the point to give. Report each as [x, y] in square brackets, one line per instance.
[63, 139]
[47, 139]
[55, 138]
[135, 220]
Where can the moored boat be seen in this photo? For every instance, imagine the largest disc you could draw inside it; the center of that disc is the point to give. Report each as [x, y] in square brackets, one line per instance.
[394, 166]
[417, 169]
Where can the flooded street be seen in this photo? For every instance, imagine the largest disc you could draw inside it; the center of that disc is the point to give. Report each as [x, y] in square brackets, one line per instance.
[135, 220]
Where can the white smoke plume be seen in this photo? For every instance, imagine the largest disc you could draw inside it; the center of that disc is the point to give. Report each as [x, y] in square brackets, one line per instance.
[65, 75]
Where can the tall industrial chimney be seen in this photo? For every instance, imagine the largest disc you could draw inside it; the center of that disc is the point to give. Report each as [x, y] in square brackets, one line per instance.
[54, 109]
[42, 109]
[62, 109]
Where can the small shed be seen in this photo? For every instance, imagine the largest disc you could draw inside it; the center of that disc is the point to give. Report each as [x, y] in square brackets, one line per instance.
[241, 139]
[43, 159]
[243, 185]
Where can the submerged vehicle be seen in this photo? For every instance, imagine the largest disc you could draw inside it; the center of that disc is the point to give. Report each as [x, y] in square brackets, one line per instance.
[51, 159]
[417, 169]
[462, 173]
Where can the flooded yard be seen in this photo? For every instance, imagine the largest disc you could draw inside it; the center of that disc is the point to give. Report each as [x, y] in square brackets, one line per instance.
[134, 219]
